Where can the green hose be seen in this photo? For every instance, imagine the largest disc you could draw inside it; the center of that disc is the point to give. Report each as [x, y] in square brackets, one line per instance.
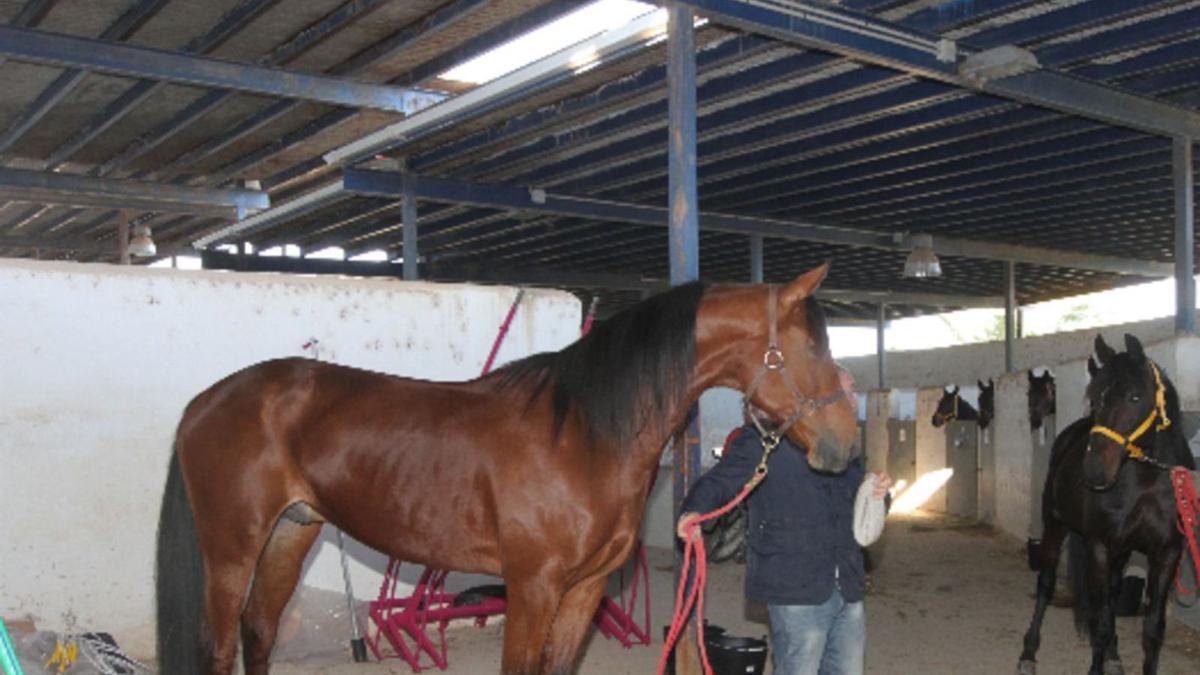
[8, 657]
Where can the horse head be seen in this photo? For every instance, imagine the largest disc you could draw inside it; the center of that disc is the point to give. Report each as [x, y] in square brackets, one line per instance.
[947, 408]
[1041, 398]
[987, 403]
[796, 382]
[1132, 401]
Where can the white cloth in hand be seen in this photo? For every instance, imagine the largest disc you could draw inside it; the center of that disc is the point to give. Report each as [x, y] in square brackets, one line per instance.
[869, 513]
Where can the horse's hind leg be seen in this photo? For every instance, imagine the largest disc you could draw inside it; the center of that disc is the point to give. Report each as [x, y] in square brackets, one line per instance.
[571, 624]
[1048, 554]
[275, 579]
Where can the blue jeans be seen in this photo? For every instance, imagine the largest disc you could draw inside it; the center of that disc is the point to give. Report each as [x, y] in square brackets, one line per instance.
[827, 639]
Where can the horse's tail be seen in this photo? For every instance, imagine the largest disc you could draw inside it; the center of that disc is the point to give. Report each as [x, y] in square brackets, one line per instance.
[1077, 578]
[180, 582]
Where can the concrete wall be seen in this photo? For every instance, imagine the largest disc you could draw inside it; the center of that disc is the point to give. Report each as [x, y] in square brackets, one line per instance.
[99, 362]
[931, 443]
[968, 363]
[880, 407]
[1014, 454]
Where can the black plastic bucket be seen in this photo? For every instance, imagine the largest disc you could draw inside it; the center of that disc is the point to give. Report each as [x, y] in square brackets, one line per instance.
[728, 655]
[1033, 548]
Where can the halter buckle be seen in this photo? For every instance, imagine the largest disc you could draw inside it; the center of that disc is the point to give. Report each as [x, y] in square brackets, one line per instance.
[773, 358]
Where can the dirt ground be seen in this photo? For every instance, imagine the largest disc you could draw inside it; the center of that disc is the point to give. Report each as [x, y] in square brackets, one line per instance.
[950, 597]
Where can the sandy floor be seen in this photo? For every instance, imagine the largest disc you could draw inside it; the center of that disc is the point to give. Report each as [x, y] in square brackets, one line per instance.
[950, 598]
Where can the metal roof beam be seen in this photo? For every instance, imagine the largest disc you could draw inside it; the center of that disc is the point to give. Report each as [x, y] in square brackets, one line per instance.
[383, 184]
[317, 199]
[609, 46]
[538, 276]
[156, 64]
[124, 27]
[53, 244]
[881, 42]
[61, 188]
[229, 25]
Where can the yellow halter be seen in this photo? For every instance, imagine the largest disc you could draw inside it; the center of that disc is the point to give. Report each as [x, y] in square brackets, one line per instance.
[1160, 410]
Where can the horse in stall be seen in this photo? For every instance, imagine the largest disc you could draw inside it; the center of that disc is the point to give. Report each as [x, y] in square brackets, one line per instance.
[537, 472]
[987, 402]
[1109, 487]
[1042, 395]
[953, 407]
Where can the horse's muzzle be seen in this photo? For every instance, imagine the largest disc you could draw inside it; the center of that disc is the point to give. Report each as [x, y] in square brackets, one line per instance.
[832, 456]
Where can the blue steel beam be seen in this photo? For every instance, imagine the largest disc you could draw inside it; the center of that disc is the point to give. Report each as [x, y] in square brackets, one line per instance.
[298, 44]
[442, 19]
[383, 184]
[647, 82]
[232, 22]
[143, 62]
[683, 203]
[652, 78]
[61, 188]
[1184, 175]
[64, 84]
[914, 53]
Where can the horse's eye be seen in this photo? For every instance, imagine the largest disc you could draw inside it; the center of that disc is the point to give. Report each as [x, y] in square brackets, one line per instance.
[1135, 398]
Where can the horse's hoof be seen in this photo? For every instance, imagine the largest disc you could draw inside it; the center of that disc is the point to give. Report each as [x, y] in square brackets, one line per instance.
[1027, 667]
[1113, 668]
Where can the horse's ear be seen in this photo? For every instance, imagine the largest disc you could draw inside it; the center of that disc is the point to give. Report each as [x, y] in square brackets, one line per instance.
[1134, 347]
[1093, 369]
[803, 286]
[1031, 376]
[1103, 352]
[955, 392]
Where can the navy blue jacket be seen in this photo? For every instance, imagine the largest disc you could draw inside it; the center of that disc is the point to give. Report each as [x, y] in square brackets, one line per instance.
[801, 539]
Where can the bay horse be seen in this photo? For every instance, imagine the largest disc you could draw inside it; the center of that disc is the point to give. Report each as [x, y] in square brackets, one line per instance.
[953, 407]
[1042, 397]
[537, 472]
[1109, 487]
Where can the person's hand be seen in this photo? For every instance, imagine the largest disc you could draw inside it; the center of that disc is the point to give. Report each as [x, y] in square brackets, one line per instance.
[883, 483]
[681, 528]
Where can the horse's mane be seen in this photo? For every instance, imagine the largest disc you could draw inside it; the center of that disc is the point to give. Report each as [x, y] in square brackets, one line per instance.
[627, 371]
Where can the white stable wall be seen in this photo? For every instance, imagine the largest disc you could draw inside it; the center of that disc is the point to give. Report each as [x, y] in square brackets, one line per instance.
[931, 443]
[968, 363]
[99, 362]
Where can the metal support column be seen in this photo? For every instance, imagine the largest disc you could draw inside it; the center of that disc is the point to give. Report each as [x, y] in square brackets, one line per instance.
[1185, 237]
[684, 251]
[408, 213]
[123, 239]
[1010, 313]
[880, 350]
[756, 259]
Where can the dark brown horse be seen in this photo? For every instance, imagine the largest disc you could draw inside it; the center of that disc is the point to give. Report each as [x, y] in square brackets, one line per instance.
[537, 472]
[1109, 488]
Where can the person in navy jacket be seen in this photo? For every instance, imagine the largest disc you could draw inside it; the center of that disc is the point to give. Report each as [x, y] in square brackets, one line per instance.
[803, 561]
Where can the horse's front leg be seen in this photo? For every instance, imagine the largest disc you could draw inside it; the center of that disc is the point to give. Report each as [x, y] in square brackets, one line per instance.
[1163, 564]
[1101, 617]
[574, 617]
[533, 600]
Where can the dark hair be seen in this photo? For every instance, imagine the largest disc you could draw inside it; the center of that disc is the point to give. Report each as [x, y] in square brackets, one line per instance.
[630, 369]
